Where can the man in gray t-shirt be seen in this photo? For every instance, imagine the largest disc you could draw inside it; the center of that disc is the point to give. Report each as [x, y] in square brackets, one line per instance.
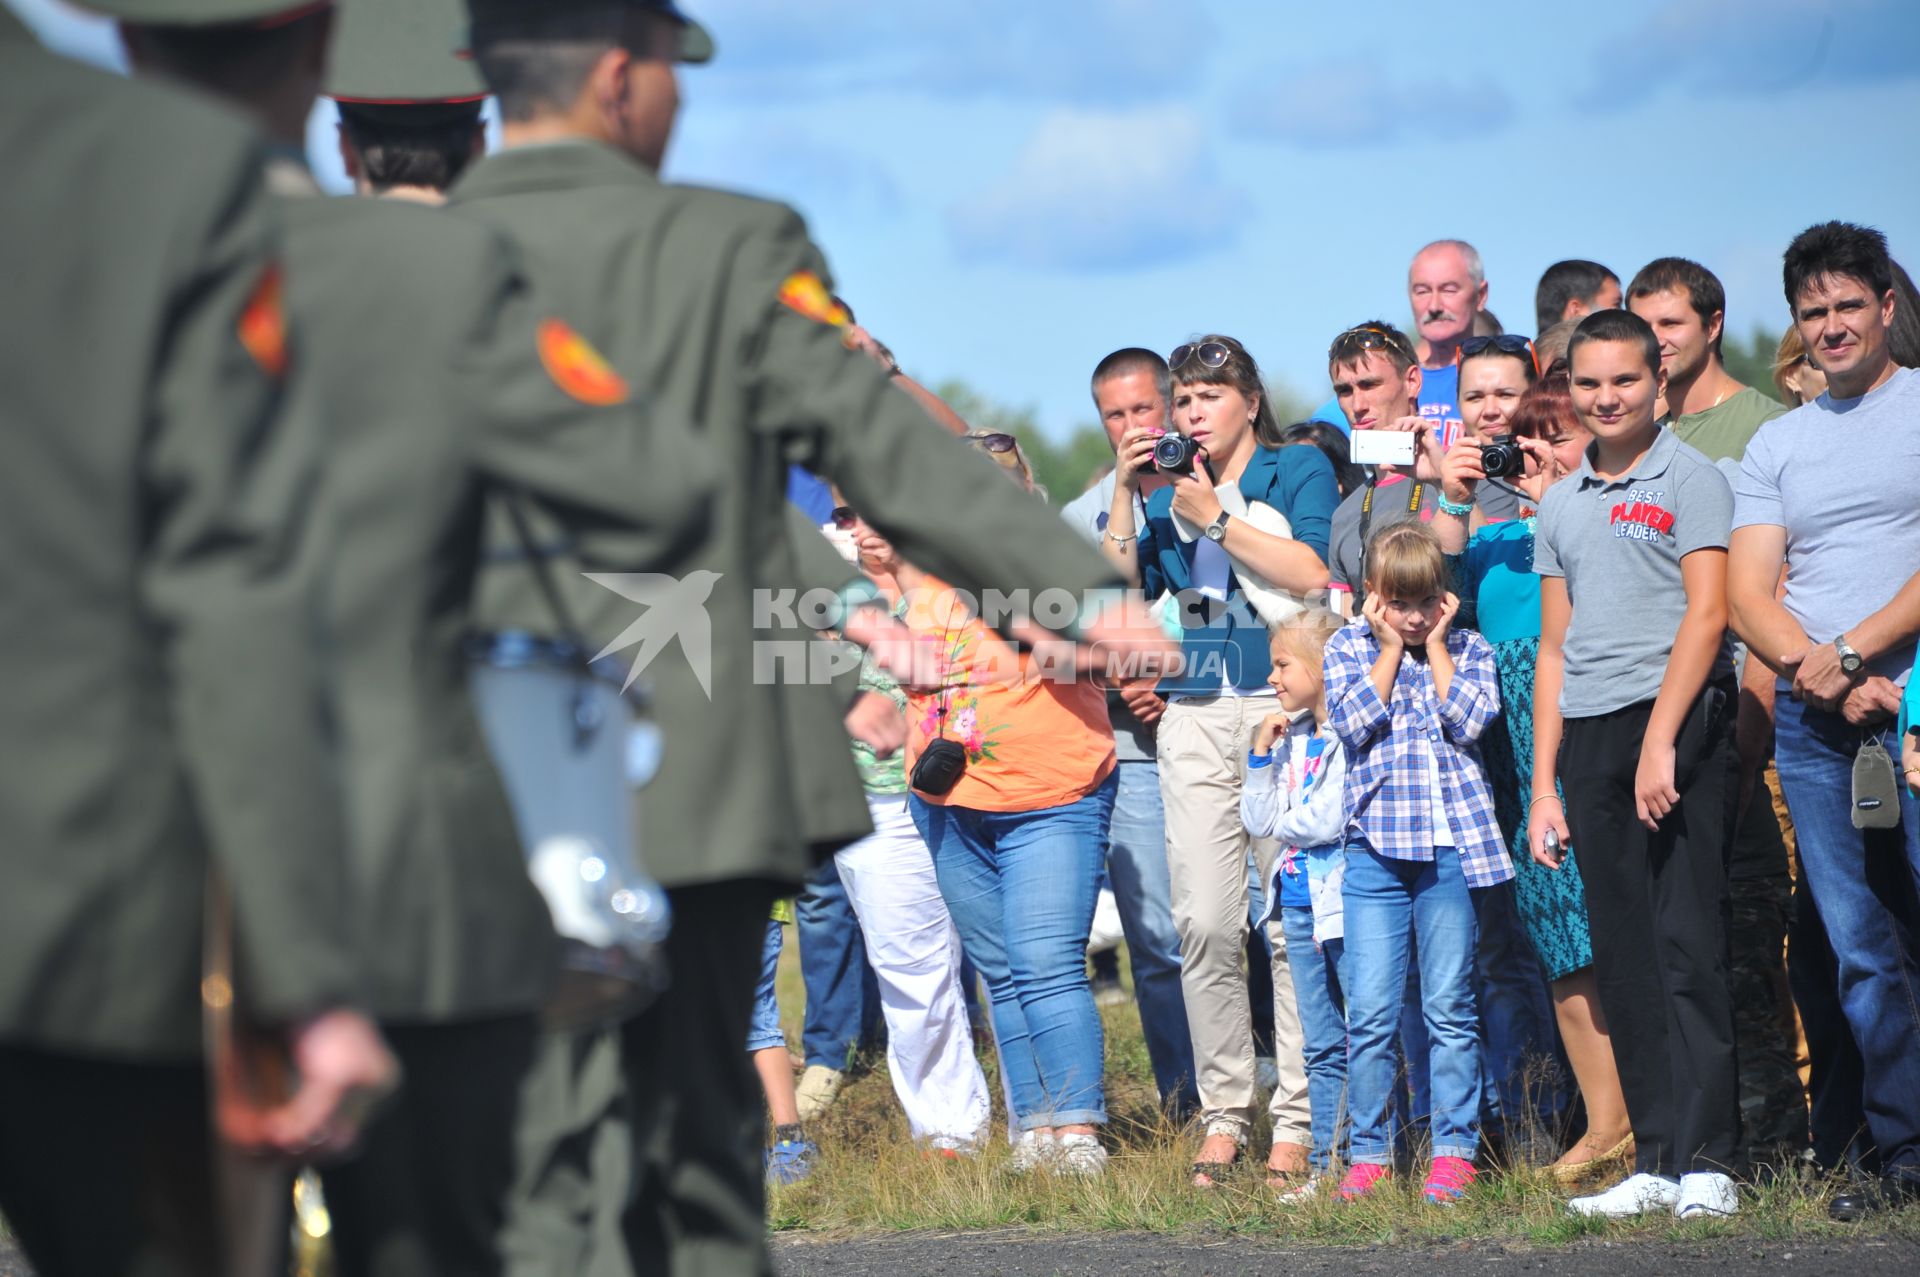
[1619, 543]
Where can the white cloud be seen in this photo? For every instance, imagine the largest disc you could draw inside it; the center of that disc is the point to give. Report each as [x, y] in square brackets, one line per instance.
[1103, 191]
[1354, 103]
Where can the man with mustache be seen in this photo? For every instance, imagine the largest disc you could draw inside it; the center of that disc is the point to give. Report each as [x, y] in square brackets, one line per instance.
[1447, 289]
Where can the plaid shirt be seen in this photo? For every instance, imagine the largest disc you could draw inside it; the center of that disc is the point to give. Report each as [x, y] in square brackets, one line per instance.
[1388, 793]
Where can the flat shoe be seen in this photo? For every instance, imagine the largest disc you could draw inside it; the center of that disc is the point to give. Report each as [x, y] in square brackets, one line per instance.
[1574, 1172]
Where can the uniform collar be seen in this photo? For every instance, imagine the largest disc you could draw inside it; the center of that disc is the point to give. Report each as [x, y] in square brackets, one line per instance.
[1656, 462]
[287, 173]
[545, 166]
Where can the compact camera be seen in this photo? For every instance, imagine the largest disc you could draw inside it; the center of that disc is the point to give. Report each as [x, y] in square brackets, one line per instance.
[1501, 458]
[1175, 454]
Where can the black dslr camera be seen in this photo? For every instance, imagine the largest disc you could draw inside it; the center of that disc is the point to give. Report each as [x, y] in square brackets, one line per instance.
[1175, 454]
[1501, 458]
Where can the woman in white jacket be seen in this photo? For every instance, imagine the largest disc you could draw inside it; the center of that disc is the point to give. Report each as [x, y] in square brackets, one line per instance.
[1295, 774]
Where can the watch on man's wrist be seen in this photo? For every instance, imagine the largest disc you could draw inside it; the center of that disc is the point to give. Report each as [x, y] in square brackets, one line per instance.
[1851, 662]
[1217, 530]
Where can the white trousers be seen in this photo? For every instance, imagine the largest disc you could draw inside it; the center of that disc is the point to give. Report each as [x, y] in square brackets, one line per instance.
[915, 954]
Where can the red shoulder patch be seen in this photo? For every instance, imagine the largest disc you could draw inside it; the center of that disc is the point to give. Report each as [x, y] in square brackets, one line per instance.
[263, 323]
[803, 292]
[577, 368]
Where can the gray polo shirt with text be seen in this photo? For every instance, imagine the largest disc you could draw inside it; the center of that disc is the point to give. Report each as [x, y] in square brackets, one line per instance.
[1618, 543]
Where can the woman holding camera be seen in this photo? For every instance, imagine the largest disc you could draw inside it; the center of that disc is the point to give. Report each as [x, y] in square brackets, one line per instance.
[1010, 768]
[1500, 596]
[1225, 456]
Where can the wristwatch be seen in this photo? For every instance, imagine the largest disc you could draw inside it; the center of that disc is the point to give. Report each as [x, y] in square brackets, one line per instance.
[1851, 662]
[1217, 530]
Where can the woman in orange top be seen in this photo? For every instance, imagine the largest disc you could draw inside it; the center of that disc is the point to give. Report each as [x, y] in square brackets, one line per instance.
[1018, 841]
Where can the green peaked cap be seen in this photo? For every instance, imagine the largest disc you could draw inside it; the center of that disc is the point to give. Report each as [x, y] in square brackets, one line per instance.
[696, 45]
[205, 13]
[404, 53]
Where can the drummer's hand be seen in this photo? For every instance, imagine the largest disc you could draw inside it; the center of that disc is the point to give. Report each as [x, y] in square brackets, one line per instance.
[878, 723]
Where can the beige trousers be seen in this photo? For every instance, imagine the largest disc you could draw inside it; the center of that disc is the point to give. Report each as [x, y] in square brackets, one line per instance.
[1202, 746]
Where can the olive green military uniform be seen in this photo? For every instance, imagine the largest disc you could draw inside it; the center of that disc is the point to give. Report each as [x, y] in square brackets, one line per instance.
[161, 709]
[682, 289]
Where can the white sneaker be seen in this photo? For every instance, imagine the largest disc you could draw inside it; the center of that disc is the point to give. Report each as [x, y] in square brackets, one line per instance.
[1302, 1193]
[1076, 1154]
[1707, 1195]
[816, 1091]
[1635, 1195]
[1031, 1152]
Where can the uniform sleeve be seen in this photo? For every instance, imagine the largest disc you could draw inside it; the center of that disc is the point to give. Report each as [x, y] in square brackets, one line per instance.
[1756, 494]
[229, 575]
[632, 486]
[945, 507]
[1705, 516]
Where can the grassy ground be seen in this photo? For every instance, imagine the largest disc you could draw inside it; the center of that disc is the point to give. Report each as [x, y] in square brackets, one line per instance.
[870, 1178]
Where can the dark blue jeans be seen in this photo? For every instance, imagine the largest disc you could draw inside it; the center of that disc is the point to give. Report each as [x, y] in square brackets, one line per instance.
[1142, 888]
[1867, 913]
[843, 999]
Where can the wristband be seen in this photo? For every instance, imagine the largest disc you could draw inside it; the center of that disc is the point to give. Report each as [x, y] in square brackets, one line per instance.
[1456, 508]
[1117, 539]
[1541, 799]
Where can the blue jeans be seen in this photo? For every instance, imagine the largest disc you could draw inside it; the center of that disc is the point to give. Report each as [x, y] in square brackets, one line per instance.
[843, 1000]
[1142, 888]
[1317, 990]
[1874, 948]
[765, 1031]
[1388, 903]
[1021, 887]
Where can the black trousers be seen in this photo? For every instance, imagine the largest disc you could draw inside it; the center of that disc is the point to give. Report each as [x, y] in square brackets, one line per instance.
[699, 1120]
[426, 1196]
[1657, 904]
[106, 1169]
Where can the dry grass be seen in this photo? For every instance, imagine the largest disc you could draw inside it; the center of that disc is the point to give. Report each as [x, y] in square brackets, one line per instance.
[870, 1178]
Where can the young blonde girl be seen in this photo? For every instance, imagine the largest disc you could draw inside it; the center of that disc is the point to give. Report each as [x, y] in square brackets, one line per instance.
[1296, 771]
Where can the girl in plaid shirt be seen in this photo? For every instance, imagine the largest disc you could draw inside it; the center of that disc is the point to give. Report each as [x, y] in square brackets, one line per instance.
[1409, 698]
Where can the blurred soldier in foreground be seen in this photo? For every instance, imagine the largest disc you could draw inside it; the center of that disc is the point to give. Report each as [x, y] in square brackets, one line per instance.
[162, 716]
[443, 379]
[720, 308]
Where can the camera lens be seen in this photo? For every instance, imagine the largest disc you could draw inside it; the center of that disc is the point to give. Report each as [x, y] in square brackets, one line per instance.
[1501, 459]
[1174, 454]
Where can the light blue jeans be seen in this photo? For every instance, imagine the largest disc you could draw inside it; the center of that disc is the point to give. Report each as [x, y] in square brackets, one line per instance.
[1021, 887]
[765, 1031]
[1389, 903]
[1142, 888]
[1318, 991]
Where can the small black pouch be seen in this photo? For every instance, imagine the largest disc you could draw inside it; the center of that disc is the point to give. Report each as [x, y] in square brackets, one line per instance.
[939, 767]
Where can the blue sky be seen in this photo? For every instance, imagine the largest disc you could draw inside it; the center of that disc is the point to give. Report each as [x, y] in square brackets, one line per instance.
[1009, 189]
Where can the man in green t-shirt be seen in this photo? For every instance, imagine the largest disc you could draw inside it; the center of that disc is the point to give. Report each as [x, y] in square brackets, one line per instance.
[1706, 407]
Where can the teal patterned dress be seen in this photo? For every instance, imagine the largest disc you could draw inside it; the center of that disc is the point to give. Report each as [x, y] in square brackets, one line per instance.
[1500, 597]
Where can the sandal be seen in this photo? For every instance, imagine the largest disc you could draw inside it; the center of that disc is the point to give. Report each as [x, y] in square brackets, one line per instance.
[1212, 1174]
[1287, 1177]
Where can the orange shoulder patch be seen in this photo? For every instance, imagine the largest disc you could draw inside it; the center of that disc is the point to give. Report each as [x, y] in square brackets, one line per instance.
[263, 324]
[577, 368]
[804, 293]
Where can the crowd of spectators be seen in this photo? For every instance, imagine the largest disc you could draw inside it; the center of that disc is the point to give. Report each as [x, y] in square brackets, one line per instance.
[1548, 773]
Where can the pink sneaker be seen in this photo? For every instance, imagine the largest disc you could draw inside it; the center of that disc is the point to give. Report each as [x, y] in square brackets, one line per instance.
[1362, 1179]
[1449, 1180]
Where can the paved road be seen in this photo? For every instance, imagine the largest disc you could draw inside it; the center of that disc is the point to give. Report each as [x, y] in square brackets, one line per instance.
[1023, 1254]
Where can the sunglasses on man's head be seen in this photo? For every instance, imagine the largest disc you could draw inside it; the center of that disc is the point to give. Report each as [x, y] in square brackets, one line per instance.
[844, 517]
[1506, 343]
[1356, 341]
[1212, 354]
[994, 442]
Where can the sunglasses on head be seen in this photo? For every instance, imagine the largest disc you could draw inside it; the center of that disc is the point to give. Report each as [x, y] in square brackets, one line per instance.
[844, 517]
[994, 442]
[1506, 343]
[1211, 354]
[1355, 341]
